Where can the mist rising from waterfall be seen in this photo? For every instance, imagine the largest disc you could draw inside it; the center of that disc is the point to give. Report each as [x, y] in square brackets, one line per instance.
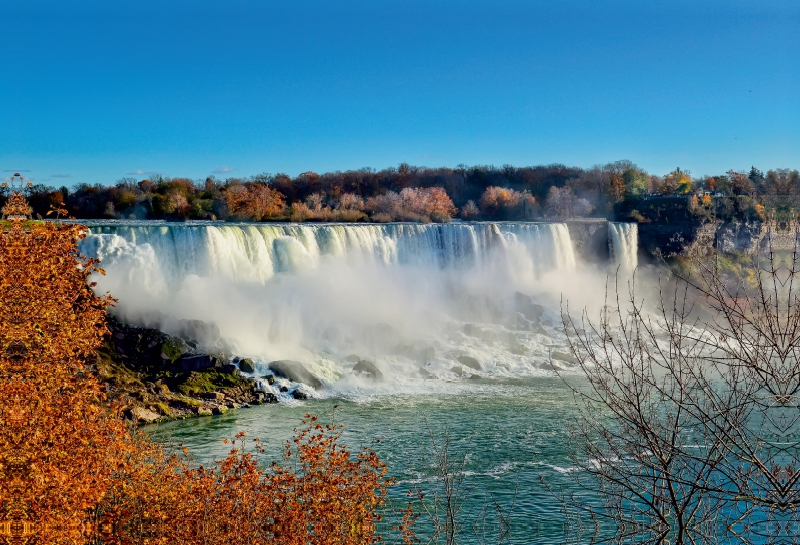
[405, 296]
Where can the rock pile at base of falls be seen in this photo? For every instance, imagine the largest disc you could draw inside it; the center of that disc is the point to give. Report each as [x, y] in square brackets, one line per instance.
[163, 377]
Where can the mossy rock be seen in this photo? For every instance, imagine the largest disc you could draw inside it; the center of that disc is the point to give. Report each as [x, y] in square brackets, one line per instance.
[162, 408]
[174, 348]
[210, 380]
[118, 374]
[246, 365]
[187, 403]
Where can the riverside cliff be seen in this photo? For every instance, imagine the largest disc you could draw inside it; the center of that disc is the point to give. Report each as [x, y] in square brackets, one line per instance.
[669, 227]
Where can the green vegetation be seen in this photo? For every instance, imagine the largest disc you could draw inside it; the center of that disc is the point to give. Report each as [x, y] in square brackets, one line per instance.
[209, 380]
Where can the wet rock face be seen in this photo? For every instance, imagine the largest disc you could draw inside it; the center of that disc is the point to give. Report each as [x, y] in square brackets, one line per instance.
[197, 362]
[590, 239]
[299, 394]
[295, 371]
[229, 369]
[468, 361]
[524, 305]
[367, 369]
[740, 236]
[246, 365]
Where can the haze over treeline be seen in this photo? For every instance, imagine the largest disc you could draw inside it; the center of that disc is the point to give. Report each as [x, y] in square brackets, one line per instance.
[410, 193]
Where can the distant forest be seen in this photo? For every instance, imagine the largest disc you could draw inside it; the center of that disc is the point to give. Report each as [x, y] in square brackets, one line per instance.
[423, 194]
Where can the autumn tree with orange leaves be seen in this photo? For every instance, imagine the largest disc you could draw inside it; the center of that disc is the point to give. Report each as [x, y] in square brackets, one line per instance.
[71, 469]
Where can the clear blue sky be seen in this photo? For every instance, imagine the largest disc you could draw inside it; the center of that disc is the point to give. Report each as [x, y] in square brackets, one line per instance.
[97, 90]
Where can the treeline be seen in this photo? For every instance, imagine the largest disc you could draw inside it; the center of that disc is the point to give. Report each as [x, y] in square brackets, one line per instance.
[409, 193]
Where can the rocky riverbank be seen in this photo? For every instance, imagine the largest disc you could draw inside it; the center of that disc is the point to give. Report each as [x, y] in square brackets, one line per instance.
[158, 377]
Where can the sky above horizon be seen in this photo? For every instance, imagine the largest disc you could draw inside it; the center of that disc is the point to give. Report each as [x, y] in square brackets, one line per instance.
[96, 91]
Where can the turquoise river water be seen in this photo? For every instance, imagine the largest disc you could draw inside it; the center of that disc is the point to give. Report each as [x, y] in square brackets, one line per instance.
[514, 434]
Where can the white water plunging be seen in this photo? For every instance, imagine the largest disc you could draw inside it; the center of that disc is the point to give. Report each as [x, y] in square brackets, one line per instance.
[624, 244]
[388, 293]
[256, 252]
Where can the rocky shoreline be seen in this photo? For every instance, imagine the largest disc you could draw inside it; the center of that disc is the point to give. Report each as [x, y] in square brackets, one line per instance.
[156, 377]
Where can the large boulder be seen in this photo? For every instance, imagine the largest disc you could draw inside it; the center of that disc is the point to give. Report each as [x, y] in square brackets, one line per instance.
[469, 361]
[246, 365]
[299, 394]
[142, 415]
[524, 305]
[561, 356]
[197, 362]
[294, 371]
[367, 369]
[266, 397]
[229, 369]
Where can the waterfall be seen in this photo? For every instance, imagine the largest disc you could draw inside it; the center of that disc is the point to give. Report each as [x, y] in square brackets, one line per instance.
[319, 293]
[254, 253]
[624, 244]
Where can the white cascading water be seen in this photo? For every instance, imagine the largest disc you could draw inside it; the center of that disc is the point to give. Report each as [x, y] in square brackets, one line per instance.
[404, 296]
[255, 253]
[624, 244]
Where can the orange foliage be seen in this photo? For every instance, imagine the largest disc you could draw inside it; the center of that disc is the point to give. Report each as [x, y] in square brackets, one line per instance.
[412, 204]
[616, 188]
[255, 201]
[431, 202]
[506, 203]
[59, 446]
[71, 470]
